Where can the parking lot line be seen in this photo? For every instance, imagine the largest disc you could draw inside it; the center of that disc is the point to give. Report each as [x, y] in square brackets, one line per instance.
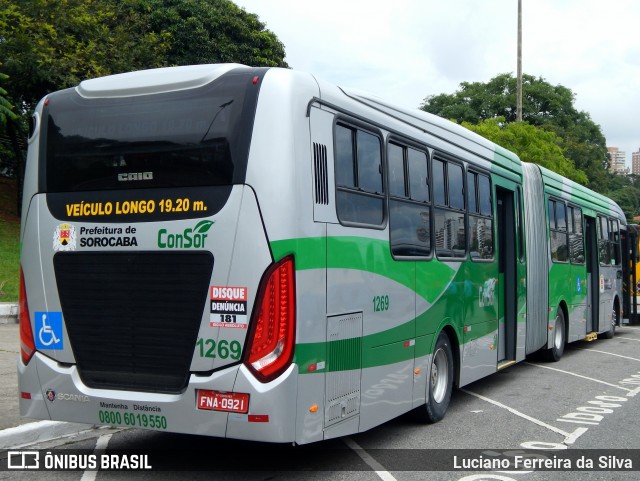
[609, 353]
[101, 445]
[369, 460]
[628, 338]
[522, 415]
[578, 375]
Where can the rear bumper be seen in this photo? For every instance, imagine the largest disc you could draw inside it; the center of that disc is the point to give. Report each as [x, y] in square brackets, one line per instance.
[271, 415]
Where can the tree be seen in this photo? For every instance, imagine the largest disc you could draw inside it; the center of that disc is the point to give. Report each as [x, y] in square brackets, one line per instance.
[6, 109]
[532, 144]
[213, 31]
[47, 45]
[52, 44]
[548, 107]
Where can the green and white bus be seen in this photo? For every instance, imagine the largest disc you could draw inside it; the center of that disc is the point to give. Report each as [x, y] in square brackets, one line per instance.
[256, 254]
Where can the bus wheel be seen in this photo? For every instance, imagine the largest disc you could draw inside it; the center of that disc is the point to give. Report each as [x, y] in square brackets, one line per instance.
[614, 320]
[440, 381]
[555, 353]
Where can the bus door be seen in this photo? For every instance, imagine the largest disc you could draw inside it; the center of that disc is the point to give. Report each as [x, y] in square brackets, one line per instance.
[629, 250]
[507, 279]
[593, 282]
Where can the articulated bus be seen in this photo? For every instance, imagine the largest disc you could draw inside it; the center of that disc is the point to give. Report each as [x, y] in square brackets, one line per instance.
[254, 253]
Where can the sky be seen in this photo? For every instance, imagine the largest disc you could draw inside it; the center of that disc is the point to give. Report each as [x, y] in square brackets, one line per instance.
[406, 50]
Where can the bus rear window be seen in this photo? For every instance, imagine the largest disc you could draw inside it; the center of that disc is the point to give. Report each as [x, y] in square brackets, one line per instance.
[191, 137]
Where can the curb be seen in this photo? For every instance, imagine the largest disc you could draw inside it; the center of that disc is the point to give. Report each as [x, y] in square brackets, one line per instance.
[8, 313]
[40, 431]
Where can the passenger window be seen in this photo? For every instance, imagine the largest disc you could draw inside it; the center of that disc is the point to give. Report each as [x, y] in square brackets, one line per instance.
[614, 241]
[561, 216]
[558, 231]
[480, 224]
[484, 195]
[409, 212]
[438, 182]
[576, 238]
[344, 157]
[456, 187]
[369, 162]
[552, 214]
[471, 192]
[396, 170]
[358, 163]
[449, 217]
[418, 175]
[603, 241]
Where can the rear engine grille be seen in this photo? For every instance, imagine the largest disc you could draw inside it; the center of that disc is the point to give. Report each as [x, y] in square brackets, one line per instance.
[133, 318]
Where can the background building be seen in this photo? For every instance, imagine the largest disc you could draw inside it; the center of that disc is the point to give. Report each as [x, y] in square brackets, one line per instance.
[617, 161]
[635, 162]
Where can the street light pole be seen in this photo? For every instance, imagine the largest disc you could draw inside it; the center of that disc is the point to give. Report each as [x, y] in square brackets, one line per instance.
[519, 73]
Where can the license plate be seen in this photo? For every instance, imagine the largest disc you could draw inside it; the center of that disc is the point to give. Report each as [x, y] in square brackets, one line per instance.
[232, 402]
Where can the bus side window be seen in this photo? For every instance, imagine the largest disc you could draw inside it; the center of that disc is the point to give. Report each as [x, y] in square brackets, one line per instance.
[480, 216]
[359, 186]
[409, 210]
[449, 215]
[558, 231]
[603, 241]
[614, 240]
[576, 238]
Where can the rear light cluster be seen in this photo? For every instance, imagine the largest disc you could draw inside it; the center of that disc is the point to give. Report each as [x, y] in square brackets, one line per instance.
[272, 336]
[27, 346]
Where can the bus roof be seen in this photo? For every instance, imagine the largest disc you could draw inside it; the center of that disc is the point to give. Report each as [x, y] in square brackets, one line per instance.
[443, 128]
[142, 82]
[580, 194]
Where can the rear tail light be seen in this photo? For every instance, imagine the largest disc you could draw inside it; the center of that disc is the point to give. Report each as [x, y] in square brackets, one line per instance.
[27, 346]
[273, 322]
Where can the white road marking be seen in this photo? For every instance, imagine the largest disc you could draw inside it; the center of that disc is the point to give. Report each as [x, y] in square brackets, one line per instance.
[609, 353]
[369, 460]
[634, 392]
[569, 438]
[101, 445]
[628, 338]
[578, 375]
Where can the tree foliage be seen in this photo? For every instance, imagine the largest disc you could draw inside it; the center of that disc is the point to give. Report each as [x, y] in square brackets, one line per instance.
[213, 31]
[531, 143]
[52, 44]
[546, 107]
[6, 109]
[47, 45]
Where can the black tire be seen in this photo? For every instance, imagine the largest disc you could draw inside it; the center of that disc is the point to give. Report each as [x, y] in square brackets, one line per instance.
[559, 339]
[615, 315]
[439, 381]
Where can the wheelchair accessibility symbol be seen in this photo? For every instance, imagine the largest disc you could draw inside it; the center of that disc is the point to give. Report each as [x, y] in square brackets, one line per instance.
[49, 330]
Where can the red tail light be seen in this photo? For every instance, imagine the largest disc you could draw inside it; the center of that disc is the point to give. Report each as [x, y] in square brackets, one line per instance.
[273, 322]
[27, 346]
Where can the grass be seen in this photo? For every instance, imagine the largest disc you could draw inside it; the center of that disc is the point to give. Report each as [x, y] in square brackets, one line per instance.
[9, 242]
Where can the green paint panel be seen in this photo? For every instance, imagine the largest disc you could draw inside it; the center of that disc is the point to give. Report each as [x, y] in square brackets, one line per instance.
[464, 297]
[364, 254]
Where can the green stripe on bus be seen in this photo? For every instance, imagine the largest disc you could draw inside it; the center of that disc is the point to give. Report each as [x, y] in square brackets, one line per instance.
[360, 253]
[379, 349]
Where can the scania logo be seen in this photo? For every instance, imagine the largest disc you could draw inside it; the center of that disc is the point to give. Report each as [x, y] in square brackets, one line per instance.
[63, 396]
[126, 177]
